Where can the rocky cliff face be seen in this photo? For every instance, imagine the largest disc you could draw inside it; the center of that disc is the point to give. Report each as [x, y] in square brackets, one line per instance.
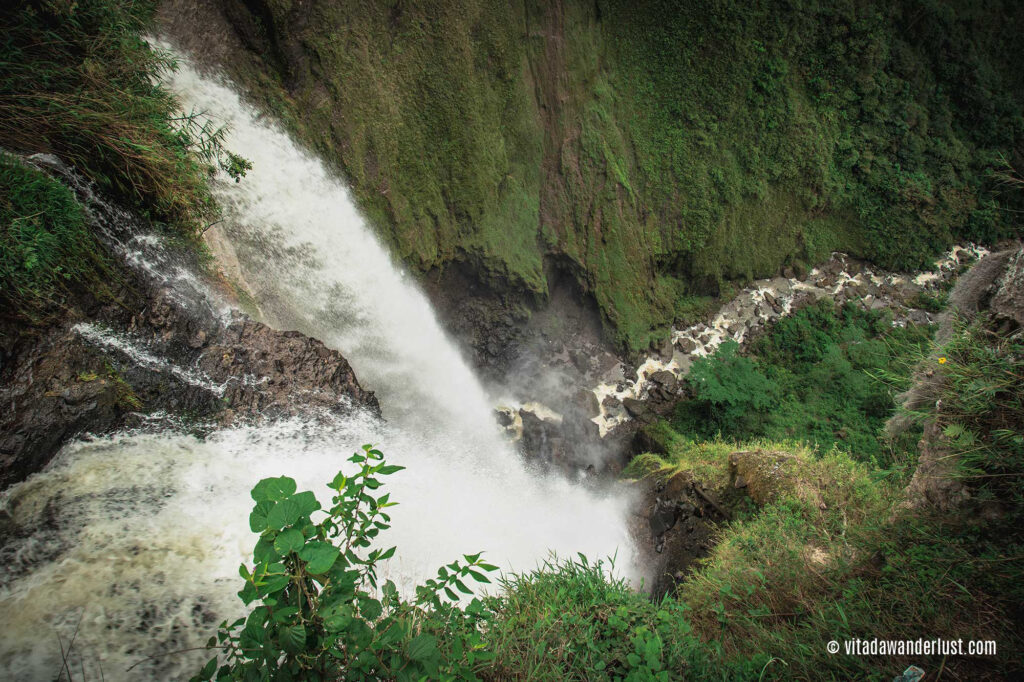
[992, 292]
[160, 350]
[650, 152]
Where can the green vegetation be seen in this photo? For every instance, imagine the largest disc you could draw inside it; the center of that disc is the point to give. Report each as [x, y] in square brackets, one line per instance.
[824, 375]
[79, 82]
[656, 150]
[823, 557]
[318, 615]
[981, 407]
[46, 247]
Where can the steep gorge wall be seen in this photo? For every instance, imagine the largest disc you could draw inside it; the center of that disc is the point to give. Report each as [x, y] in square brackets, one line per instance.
[653, 152]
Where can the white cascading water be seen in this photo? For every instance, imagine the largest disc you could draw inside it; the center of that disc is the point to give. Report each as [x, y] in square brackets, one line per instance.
[131, 543]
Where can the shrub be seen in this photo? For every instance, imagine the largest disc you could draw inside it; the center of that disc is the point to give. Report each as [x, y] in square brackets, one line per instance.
[320, 613]
[80, 82]
[46, 247]
[729, 385]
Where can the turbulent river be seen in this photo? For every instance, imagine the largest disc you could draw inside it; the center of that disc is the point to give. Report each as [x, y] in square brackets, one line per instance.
[140, 534]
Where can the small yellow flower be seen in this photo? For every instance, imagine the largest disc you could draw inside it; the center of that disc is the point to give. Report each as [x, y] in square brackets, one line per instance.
[942, 361]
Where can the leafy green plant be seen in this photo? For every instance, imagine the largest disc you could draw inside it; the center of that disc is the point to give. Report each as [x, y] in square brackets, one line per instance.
[933, 303]
[825, 375]
[320, 612]
[981, 410]
[46, 248]
[730, 384]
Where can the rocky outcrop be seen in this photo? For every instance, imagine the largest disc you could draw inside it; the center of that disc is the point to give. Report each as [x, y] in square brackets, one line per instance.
[934, 484]
[261, 372]
[993, 291]
[1008, 301]
[675, 526]
[157, 348]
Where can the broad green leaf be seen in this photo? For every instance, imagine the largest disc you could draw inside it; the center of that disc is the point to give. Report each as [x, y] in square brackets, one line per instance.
[264, 553]
[272, 585]
[389, 469]
[208, 669]
[285, 613]
[337, 618]
[370, 609]
[293, 638]
[307, 502]
[422, 648]
[247, 594]
[273, 489]
[258, 517]
[285, 513]
[479, 577]
[319, 556]
[290, 540]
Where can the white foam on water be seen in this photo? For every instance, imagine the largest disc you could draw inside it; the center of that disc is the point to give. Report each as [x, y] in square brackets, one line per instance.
[135, 539]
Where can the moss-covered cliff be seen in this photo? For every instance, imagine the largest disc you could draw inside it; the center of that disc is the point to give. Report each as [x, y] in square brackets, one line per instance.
[652, 150]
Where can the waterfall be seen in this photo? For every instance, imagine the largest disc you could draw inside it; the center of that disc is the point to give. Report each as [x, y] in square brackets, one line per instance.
[129, 544]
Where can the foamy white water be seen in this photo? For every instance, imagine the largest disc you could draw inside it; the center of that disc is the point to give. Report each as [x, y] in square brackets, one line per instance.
[135, 539]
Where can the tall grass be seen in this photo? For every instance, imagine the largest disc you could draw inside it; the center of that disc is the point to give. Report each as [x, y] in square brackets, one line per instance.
[80, 82]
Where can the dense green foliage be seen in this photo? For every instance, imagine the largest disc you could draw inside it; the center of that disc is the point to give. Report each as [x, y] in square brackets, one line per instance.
[656, 150]
[80, 82]
[825, 375]
[982, 410]
[829, 556]
[318, 613]
[46, 247]
[569, 620]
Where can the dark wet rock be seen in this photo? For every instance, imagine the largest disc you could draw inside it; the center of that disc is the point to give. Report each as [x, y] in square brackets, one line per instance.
[50, 390]
[539, 436]
[636, 408]
[666, 349]
[503, 417]
[611, 402]
[674, 528]
[663, 518]
[686, 344]
[580, 360]
[586, 402]
[665, 378]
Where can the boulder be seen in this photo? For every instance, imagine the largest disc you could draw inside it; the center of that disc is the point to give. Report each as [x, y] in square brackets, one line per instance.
[636, 408]
[1008, 301]
[686, 344]
[665, 378]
